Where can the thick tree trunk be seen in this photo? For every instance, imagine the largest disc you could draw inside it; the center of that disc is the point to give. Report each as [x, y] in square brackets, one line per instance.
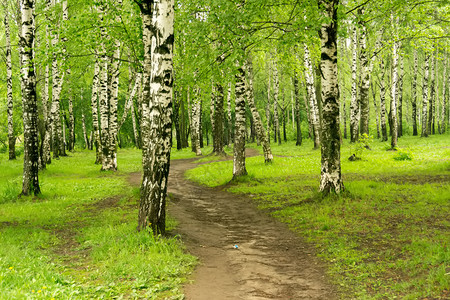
[354, 105]
[394, 89]
[298, 120]
[313, 107]
[414, 93]
[30, 183]
[218, 121]
[239, 131]
[331, 179]
[365, 80]
[9, 93]
[195, 124]
[156, 167]
[425, 96]
[276, 122]
[261, 134]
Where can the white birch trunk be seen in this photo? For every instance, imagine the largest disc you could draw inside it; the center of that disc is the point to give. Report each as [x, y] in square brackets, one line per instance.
[354, 107]
[313, 108]
[240, 126]
[94, 106]
[9, 87]
[30, 182]
[330, 179]
[276, 122]
[365, 80]
[425, 95]
[156, 171]
[129, 103]
[394, 88]
[414, 93]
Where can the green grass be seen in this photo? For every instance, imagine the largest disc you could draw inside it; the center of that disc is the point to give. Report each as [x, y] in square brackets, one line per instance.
[387, 236]
[71, 243]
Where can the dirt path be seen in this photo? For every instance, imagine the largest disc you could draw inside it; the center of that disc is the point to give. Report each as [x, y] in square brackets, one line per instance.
[270, 262]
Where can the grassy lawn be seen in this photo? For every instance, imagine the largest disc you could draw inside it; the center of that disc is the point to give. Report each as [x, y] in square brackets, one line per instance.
[387, 236]
[78, 240]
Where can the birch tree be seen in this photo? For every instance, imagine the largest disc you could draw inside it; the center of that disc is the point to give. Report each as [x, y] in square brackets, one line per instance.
[425, 95]
[159, 135]
[314, 110]
[331, 179]
[30, 183]
[354, 107]
[9, 87]
[394, 88]
[365, 78]
[239, 131]
[414, 93]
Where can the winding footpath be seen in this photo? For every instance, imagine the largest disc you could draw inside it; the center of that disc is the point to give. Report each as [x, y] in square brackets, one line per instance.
[243, 253]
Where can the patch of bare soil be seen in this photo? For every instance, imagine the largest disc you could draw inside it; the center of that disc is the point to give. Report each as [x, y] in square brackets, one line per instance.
[243, 252]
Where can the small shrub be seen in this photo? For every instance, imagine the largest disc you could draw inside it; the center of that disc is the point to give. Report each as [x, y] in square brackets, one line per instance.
[403, 154]
[10, 193]
[357, 150]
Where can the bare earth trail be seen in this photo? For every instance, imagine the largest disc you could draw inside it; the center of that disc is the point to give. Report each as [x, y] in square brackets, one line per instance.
[270, 262]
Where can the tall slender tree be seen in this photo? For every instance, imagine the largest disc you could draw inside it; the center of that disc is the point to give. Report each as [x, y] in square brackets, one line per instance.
[240, 129]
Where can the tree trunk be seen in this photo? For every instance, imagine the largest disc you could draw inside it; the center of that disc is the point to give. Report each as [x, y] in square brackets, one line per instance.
[365, 80]
[268, 104]
[195, 125]
[94, 106]
[374, 92]
[414, 93]
[425, 96]
[400, 99]
[71, 125]
[129, 103]
[276, 123]
[314, 110]
[184, 143]
[345, 119]
[218, 121]
[384, 136]
[239, 131]
[298, 119]
[354, 105]
[268, 157]
[431, 102]
[83, 123]
[444, 96]
[156, 170]
[176, 118]
[9, 94]
[394, 89]
[331, 179]
[46, 140]
[30, 183]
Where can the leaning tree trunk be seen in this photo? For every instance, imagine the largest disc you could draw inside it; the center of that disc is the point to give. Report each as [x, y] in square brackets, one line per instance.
[129, 103]
[30, 183]
[268, 157]
[394, 88]
[218, 120]
[414, 94]
[239, 131]
[9, 93]
[276, 121]
[331, 179]
[354, 107]
[314, 110]
[298, 120]
[156, 169]
[425, 95]
[365, 81]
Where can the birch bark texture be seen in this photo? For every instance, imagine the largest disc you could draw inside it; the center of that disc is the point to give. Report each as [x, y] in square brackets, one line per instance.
[331, 179]
[314, 110]
[9, 87]
[425, 95]
[159, 135]
[414, 93]
[30, 182]
[365, 79]
[240, 129]
[394, 88]
[354, 107]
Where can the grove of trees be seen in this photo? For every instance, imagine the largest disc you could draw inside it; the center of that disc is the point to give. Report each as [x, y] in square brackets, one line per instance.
[104, 74]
